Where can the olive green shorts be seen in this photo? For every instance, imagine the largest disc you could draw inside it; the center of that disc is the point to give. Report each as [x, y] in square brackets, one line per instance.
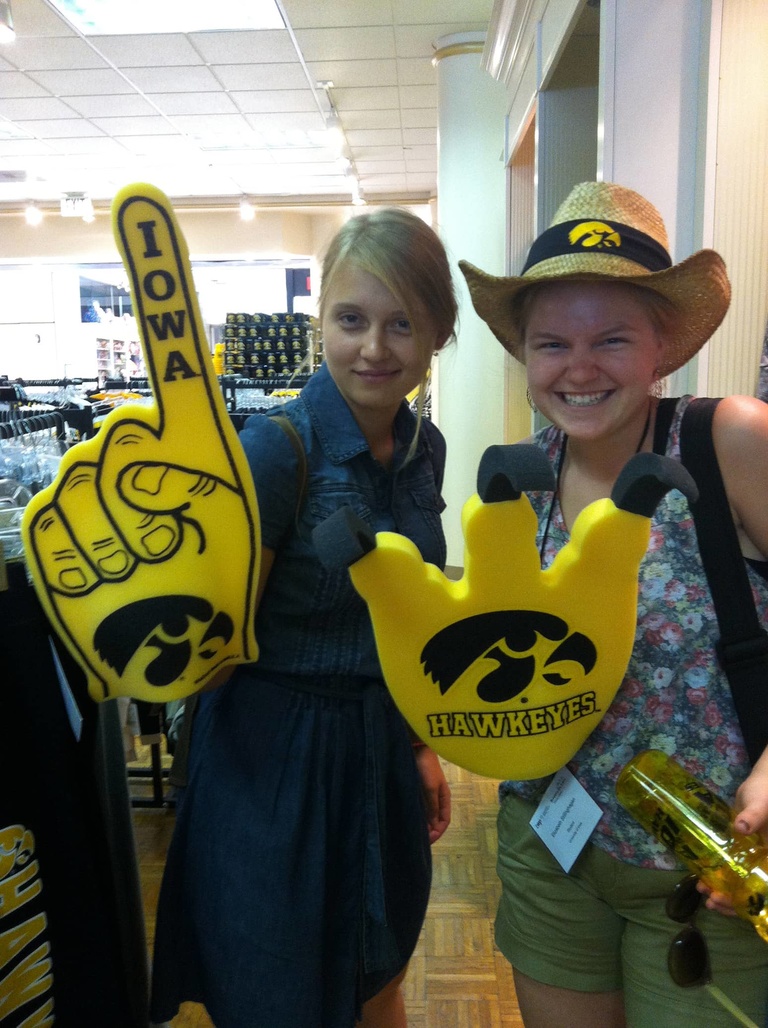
[602, 927]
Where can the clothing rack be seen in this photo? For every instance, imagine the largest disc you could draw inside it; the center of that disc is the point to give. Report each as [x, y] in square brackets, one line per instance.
[52, 383]
[152, 724]
[17, 427]
[133, 385]
[229, 385]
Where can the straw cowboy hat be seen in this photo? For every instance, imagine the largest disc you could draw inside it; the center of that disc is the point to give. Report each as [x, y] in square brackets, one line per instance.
[605, 231]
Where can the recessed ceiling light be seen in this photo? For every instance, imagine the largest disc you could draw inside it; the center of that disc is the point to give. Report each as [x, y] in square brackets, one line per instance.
[247, 210]
[33, 215]
[143, 17]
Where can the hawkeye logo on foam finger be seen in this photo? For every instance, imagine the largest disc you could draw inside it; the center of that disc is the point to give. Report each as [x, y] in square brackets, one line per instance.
[595, 234]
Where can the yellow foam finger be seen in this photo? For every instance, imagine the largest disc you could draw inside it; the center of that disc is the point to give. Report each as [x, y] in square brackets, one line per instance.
[153, 525]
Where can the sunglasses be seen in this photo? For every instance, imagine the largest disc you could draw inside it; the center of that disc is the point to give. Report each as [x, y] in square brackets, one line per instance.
[688, 955]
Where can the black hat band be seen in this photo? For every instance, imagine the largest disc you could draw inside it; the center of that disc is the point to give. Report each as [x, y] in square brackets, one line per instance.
[586, 236]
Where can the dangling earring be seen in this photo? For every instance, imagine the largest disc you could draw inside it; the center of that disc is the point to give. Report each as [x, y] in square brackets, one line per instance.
[657, 386]
[531, 404]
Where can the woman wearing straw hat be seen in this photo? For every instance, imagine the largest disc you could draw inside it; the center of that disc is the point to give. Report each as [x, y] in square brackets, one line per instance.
[599, 316]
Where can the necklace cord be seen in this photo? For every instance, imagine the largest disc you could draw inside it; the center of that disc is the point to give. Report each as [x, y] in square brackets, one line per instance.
[558, 472]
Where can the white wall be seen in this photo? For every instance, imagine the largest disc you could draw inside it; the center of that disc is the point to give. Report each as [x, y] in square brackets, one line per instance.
[41, 335]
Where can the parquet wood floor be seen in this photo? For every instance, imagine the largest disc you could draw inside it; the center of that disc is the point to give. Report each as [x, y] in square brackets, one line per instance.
[456, 978]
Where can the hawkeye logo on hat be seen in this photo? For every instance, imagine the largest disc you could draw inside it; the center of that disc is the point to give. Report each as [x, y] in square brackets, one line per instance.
[594, 234]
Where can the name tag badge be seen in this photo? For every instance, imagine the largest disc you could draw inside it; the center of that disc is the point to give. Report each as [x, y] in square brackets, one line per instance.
[565, 818]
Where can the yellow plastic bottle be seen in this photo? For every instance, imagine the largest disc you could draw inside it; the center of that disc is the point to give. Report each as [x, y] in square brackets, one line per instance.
[681, 812]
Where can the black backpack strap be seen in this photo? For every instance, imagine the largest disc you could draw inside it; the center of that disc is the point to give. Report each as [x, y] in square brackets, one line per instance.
[301, 457]
[665, 412]
[743, 645]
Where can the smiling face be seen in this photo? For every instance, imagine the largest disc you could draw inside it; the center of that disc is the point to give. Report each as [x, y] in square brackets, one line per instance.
[369, 345]
[591, 354]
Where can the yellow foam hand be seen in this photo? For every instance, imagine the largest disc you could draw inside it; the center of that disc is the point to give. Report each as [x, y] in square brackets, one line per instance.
[506, 671]
[145, 549]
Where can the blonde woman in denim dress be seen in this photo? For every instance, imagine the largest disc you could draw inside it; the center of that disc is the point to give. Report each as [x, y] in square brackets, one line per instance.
[299, 872]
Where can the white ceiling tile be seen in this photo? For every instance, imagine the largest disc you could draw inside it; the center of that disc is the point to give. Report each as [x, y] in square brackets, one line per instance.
[40, 54]
[153, 126]
[385, 98]
[312, 169]
[421, 153]
[368, 120]
[124, 105]
[418, 96]
[425, 167]
[148, 50]
[92, 147]
[380, 167]
[172, 113]
[460, 12]
[14, 148]
[380, 137]
[379, 153]
[274, 101]
[268, 46]
[174, 80]
[173, 104]
[236, 159]
[416, 71]
[419, 117]
[421, 183]
[319, 157]
[338, 44]
[33, 109]
[83, 82]
[211, 125]
[161, 147]
[419, 40]
[420, 136]
[60, 129]
[383, 183]
[36, 18]
[299, 122]
[261, 76]
[343, 74]
[14, 83]
[311, 14]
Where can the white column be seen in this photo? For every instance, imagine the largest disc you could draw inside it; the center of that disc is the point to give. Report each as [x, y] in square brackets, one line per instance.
[652, 116]
[469, 401]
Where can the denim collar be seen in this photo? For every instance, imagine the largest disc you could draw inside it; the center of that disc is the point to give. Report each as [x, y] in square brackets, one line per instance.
[335, 426]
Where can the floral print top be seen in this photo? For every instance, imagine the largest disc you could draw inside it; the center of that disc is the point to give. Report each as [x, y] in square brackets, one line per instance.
[674, 696]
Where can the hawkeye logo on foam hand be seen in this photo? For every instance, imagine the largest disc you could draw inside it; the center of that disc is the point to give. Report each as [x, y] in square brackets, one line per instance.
[511, 656]
[595, 234]
[525, 660]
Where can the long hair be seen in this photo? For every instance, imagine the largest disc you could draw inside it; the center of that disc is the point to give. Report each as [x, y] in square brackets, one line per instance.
[407, 256]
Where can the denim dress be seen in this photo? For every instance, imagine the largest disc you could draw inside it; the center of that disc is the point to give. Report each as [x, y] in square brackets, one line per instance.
[299, 872]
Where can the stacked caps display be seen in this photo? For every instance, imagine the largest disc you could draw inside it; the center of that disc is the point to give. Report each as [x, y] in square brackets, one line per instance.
[265, 345]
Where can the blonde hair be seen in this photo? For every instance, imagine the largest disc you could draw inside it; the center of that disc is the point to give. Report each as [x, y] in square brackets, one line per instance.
[409, 259]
